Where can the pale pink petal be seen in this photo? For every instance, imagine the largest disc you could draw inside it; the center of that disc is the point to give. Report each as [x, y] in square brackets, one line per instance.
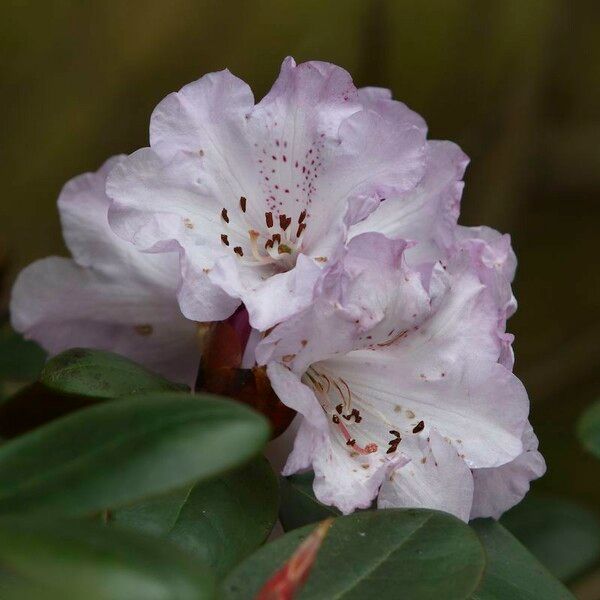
[366, 298]
[208, 114]
[293, 393]
[62, 305]
[436, 478]
[83, 208]
[501, 488]
[480, 406]
[493, 258]
[273, 299]
[428, 213]
[343, 481]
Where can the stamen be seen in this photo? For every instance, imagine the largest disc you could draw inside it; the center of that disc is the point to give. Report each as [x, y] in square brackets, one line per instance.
[302, 217]
[243, 203]
[269, 219]
[238, 250]
[301, 228]
[224, 215]
[418, 427]
[284, 222]
[224, 239]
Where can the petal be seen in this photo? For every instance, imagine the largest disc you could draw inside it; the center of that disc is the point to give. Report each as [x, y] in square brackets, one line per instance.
[273, 299]
[293, 393]
[340, 480]
[83, 207]
[437, 478]
[501, 488]
[380, 100]
[62, 305]
[363, 299]
[493, 257]
[157, 200]
[427, 214]
[200, 299]
[207, 114]
[377, 156]
[480, 406]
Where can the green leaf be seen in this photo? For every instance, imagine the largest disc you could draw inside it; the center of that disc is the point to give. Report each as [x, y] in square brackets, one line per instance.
[562, 535]
[120, 452]
[100, 374]
[83, 560]
[512, 572]
[588, 429]
[20, 360]
[221, 521]
[299, 506]
[395, 553]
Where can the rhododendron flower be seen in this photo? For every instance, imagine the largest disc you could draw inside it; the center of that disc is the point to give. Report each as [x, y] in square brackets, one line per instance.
[398, 380]
[109, 295]
[258, 198]
[323, 225]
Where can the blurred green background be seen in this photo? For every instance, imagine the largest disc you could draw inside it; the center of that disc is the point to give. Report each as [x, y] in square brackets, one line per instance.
[515, 82]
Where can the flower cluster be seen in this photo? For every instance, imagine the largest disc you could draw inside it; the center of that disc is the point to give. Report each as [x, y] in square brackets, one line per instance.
[326, 213]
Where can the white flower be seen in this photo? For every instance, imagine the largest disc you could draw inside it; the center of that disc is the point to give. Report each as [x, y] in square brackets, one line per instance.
[259, 197]
[398, 382]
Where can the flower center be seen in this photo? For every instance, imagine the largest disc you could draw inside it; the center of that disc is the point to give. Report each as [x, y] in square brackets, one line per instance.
[275, 241]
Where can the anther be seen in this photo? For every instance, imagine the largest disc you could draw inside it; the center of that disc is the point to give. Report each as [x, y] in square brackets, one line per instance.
[302, 217]
[284, 222]
[339, 409]
[269, 219]
[243, 203]
[224, 215]
[224, 239]
[418, 427]
[238, 250]
[301, 228]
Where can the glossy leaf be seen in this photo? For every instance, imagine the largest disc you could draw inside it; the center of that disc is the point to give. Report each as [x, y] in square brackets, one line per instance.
[511, 571]
[100, 374]
[562, 535]
[299, 506]
[120, 452]
[589, 429]
[83, 560]
[221, 520]
[416, 554]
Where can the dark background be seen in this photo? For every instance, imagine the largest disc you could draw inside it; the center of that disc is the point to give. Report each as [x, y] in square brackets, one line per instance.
[515, 82]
